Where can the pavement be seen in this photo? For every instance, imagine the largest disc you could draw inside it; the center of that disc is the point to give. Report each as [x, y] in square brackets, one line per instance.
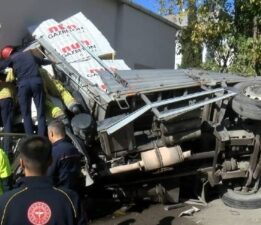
[153, 215]
[215, 213]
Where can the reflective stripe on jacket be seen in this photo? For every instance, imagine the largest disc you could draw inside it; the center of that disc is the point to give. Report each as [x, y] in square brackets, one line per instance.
[7, 88]
[5, 169]
[55, 88]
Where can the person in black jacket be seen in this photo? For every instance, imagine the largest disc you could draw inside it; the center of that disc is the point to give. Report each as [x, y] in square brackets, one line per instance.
[30, 85]
[37, 201]
[66, 167]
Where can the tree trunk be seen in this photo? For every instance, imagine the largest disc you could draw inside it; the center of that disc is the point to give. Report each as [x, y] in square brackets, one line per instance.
[257, 63]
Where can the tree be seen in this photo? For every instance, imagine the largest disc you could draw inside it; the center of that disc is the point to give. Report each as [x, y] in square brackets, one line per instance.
[229, 29]
[191, 51]
[166, 7]
[213, 28]
[248, 26]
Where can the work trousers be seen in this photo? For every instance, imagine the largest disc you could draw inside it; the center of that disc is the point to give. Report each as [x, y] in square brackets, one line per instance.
[27, 90]
[6, 109]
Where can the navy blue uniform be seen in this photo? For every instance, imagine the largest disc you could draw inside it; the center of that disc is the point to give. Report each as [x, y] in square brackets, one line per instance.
[6, 109]
[36, 201]
[65, 168]
[30, 85]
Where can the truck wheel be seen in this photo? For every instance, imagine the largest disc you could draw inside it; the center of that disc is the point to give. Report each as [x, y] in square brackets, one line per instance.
[248, 101]
[81, 101]
[77, 142]
[242, 201]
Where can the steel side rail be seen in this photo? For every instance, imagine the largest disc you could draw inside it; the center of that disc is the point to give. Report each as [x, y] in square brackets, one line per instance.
[182, 98]
[131, 117]
[116, 76]
[182, 110]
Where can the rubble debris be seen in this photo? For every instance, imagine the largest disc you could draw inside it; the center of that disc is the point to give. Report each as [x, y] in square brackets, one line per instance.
[189, 212]
[196, 202]
[173, 206]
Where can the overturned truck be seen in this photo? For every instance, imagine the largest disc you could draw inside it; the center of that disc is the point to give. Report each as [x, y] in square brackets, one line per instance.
[163, 124]
[150, 126]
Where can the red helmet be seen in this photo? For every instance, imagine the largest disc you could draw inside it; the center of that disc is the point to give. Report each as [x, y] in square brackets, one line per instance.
[6, 52]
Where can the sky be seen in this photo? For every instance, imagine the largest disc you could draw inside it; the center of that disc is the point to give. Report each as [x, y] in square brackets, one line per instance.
[149, 4]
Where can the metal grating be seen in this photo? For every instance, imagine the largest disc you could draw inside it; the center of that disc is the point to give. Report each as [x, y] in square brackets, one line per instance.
[152, 80]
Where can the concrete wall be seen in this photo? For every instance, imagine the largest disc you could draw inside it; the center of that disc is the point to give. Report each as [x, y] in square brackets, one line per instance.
[17, 15]
[140, 39]
[147, 41]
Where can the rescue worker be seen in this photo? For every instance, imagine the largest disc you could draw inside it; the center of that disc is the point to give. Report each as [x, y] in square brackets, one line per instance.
[55, 88]
[30, 85]
[57, 98]
[6, 107]
[5, 173]
[65, 168]
[36, 201]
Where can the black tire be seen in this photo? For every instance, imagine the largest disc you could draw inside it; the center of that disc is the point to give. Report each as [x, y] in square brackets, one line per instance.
[79, 98]
[242, 201]
[77, 142]
[244, 105]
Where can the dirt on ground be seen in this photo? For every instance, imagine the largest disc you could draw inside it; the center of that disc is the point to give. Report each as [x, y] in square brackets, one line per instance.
[215, 213]
[152, 215]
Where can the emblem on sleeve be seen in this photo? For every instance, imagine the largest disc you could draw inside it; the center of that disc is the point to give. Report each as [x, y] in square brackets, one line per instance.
[39, 213]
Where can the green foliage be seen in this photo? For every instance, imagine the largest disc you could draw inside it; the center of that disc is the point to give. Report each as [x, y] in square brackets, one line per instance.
[213, 27]
[210, 64]
[191, 51]
[242, 62]
[230, 30]
[191, 56]
[166, 7]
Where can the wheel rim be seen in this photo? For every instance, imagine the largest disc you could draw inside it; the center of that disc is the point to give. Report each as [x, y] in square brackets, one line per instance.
[253, 92]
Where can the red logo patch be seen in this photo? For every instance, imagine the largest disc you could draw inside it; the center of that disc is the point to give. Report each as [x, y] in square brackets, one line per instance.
[39, 213]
